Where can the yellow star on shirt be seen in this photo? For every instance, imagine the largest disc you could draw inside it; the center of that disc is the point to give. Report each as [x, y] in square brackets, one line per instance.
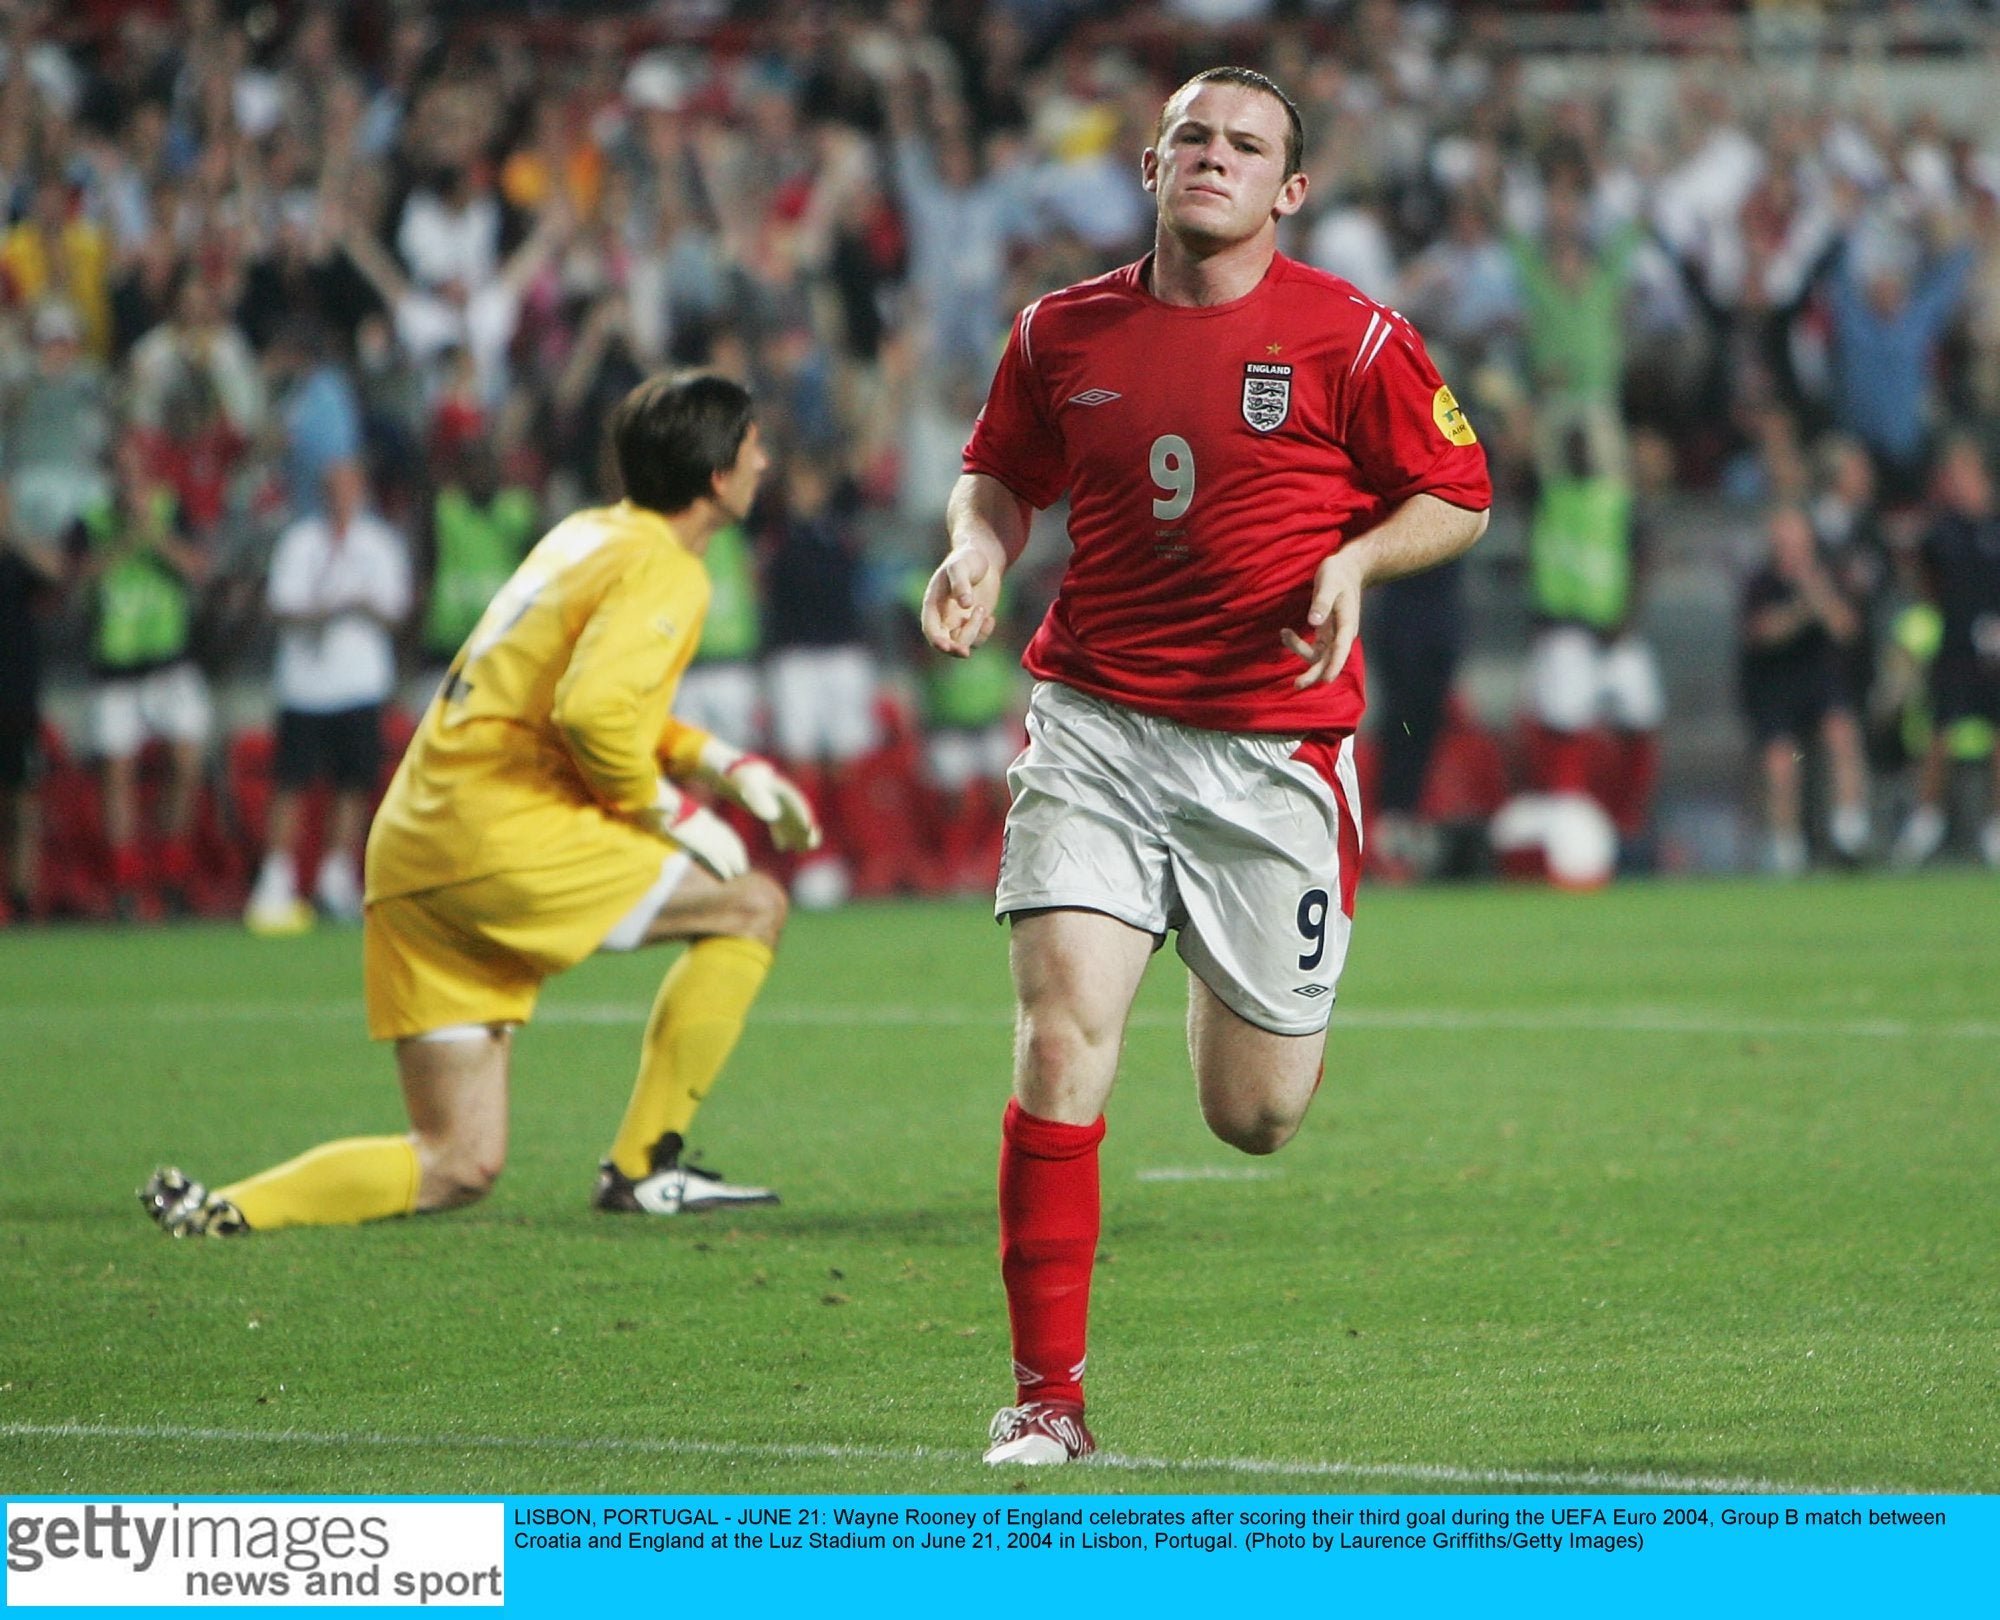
[1271, 348]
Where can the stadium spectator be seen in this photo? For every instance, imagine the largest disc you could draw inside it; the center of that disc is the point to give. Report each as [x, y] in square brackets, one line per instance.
[964, 207]
[476, 318]
[142, 569]
[196, 345]
[339, 589]
[1573, 295]
[530, 824]
[480, 528]
[58, 428]
[58, 252]
[1961, 565]
[820, 675]
[723, 691]
[29, 571]
[1889, 316]
[317, 407]
[1588, 664]
[1796, 623]
[1416, 634]
[1165, 784]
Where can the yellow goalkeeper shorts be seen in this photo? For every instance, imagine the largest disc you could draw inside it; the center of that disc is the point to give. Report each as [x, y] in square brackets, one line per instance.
[477, 952]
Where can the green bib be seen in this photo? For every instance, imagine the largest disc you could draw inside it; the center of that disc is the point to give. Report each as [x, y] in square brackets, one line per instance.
[142, 604]
[731, 631]
[478, 549]
[1580, 551]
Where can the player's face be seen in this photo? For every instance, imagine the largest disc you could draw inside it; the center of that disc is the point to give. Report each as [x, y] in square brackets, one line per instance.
[736, 489]
[1219, 166]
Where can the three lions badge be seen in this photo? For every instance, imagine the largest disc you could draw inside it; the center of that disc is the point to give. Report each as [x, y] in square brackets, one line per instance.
[1267, 394]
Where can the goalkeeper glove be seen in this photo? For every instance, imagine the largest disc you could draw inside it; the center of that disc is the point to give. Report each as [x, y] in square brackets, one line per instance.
[759, 787]
[699, 831]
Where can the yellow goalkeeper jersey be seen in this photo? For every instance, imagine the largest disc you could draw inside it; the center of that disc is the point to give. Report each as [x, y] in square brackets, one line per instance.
[556, 710]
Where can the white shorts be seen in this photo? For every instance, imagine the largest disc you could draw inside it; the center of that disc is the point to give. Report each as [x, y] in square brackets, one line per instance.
[629, 932]
[171, 704]
[1576, 680]
[724, 699]
[1248, 846]
[823, 704]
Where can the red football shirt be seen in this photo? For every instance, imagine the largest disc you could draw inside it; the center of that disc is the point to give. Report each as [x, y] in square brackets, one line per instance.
[1213, 458]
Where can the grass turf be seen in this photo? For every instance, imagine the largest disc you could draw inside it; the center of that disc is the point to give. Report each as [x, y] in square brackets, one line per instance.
[1665, 1186]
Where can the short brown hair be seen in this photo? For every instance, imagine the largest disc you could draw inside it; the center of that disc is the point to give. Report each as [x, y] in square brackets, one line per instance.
[1250, 79]
[672, 434]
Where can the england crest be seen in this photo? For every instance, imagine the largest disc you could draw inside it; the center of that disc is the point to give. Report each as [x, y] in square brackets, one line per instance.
[1267, 394]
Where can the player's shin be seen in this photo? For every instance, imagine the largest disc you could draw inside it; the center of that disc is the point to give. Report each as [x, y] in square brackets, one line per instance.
[694, 1026]
[360, 1178]
[1049, 1218]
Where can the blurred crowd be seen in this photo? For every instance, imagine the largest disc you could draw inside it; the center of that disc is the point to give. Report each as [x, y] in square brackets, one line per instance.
[311, 316]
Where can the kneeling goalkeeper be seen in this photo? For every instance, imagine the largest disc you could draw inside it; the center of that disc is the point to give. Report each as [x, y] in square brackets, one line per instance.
[539, 816]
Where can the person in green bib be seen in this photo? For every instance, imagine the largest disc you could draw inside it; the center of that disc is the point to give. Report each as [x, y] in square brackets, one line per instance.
[721, 691]
[480, 529]
[142, 569]
[1588, 665]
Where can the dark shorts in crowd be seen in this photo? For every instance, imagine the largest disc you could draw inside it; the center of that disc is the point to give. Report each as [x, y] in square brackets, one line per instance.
[344, 747]
[1965, 688]
[20, 749]
[1790, 703]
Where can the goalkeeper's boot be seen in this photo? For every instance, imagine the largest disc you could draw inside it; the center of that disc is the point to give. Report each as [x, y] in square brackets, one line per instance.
[1039, 1432]
[184, 1207]
[671, 1187]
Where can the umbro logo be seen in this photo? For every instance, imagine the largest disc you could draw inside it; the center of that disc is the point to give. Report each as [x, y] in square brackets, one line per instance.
[1094, 396]
[1311, 992]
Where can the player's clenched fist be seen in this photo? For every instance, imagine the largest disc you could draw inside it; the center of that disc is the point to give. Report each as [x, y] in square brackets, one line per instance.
[961, 600]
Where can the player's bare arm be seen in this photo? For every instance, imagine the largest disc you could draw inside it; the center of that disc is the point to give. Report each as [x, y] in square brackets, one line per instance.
[1421, 533]
[988, 526]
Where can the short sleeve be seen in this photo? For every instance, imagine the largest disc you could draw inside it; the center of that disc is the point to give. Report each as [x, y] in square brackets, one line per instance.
[1405, 430]
[1014, 441]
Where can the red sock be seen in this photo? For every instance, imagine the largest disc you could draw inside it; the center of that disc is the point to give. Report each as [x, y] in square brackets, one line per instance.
[1048, 1240]
[176, 862]
[1559, 761]
[1636, 769]
[128, 868]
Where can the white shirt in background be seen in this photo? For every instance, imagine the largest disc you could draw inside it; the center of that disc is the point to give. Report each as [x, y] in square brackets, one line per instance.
[363, 578]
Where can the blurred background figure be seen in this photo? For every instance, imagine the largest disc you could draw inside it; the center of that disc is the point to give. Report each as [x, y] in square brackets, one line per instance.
[1589, 664]
[141, 568]
[1961, 572]
[30, 572]
[821, 676]
[339, 589]
[1797, 627]
[480, 528]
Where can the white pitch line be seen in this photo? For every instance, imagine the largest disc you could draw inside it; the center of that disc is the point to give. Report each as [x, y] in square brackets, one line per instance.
[1205, 1172]
[1270, 1468]
[1590, 1020]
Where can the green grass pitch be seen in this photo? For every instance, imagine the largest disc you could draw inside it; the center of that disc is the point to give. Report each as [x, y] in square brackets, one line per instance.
[1669, 1187]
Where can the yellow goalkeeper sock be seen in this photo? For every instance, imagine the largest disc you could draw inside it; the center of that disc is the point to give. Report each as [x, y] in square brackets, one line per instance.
[362, 1178]
[696, 1019]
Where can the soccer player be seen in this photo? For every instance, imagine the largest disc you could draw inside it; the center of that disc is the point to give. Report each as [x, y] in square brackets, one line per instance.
[1246, 445]
[538, 816]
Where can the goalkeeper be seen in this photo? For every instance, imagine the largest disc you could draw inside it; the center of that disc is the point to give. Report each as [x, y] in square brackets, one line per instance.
[540, 815]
